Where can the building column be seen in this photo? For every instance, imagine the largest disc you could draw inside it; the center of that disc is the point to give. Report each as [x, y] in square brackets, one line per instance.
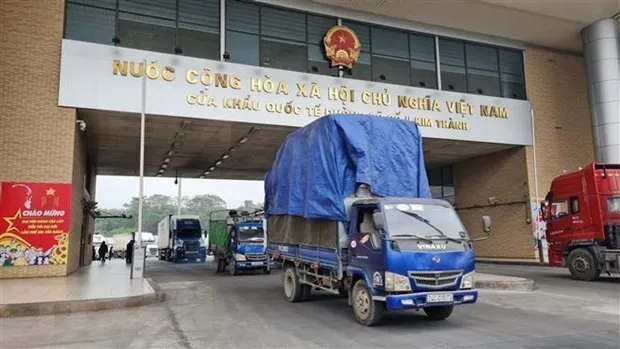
[601, 47]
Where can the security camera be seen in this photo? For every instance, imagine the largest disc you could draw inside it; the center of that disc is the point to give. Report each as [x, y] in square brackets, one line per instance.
[81, 124]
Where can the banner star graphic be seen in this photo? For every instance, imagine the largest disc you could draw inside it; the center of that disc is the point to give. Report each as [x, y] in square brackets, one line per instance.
[50, 192]
[10, 220]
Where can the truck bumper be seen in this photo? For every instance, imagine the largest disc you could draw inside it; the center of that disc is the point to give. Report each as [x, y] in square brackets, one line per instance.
[419, 300]
[251, 264]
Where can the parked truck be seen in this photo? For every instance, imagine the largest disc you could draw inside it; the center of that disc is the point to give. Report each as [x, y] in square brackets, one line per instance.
[237, 241]
[180, 238]
[582, 216]
[349, 212]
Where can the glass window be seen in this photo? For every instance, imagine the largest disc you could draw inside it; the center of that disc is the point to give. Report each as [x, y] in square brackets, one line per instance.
[146, 33]
[317, 63]
[513, 86]
[362, 31]
[453, 78]
[91, 24]
[559, 209]
[511, 74]
[242, 47]
[481, 57]
[390, 70]
[389, 42]
[511, 62]
[242, 16]
[423, 74]
[318, 27]
[200, 12]
[422, 47]
[483, 82]
[574, 205]
[109, 4]
[451, 53]
[361, 70]
[163, 9]
[283, 24]
[281, 54]
[613, 205]
[199, 41]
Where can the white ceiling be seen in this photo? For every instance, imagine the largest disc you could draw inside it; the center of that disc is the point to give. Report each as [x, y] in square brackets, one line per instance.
[114, 143]
[549, 23]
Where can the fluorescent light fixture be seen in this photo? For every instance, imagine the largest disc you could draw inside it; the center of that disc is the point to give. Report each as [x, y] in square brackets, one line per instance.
[161, 170]
[159, 175]
[218, 162]
[202, 177]
[166, 160]
[170, 153]
[211, 168]
[244, 139]
[225, 156]
[232, 149]
[207, 173]
[164, 166]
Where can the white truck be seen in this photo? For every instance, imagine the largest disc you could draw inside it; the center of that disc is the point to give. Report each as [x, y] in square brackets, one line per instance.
[181, 238]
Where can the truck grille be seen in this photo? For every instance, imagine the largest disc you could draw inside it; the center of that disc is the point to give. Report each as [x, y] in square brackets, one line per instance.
[255, 257]
[191, 246]
[435, 279]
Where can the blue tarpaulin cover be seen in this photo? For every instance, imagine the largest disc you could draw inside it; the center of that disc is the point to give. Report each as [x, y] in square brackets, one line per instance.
[319, 165]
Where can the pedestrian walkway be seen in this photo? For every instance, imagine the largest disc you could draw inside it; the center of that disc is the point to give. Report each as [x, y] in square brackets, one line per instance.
[95, 287]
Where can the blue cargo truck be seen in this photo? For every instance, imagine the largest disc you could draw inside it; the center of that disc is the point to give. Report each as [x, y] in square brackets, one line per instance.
[180, 238]
[355, 218]
[237, 241]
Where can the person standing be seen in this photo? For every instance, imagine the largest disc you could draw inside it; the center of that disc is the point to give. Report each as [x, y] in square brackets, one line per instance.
[103, 250]
[129, 253]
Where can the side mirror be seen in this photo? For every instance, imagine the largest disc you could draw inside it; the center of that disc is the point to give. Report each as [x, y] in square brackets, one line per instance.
[377, 217]
[486, 228]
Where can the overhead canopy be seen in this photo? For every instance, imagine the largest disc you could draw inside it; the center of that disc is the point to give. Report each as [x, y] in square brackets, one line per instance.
[321, 164]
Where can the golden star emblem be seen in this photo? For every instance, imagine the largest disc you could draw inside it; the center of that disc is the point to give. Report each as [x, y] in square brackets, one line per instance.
[10, 220]
[50, 192]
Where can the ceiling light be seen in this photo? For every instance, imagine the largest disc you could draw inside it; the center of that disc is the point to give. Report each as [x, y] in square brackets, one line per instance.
[218, 162]
[211, 168]
[159, 175]
[164, 166]
[232, 149]
[161, 170]
[166, 160]
[170, 153]
[202, 177]
[207, 173]
[225, 156]
[243, 140]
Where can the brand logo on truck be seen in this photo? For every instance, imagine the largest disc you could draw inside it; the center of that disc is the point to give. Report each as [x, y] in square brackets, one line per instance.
[432, 247]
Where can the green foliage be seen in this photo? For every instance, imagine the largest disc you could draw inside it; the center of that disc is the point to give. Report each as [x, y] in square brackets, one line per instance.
[156, 207]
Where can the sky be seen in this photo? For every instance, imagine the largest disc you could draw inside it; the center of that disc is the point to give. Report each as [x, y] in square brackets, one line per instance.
[114, 191]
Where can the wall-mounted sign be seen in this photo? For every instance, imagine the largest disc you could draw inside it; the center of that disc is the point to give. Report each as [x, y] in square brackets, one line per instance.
[109, 78]
[34, 223]
[342, 46]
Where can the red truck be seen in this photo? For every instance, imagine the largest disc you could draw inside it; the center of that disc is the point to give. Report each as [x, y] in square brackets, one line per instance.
[582, 216]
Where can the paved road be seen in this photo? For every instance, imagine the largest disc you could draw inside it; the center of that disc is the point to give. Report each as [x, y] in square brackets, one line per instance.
[205, 310]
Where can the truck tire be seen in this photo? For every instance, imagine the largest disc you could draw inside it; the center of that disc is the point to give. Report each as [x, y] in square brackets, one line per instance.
[219, 265]
[306, 292]
[583, 265]
[368, 312]
[292, 287]
[439, 313]
[231, 268]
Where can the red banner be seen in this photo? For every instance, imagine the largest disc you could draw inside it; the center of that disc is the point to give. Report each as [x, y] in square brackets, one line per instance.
[34, 223]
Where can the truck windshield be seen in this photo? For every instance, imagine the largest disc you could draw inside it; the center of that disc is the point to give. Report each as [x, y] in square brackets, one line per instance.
[250, 233]
[428, 221]
[189, 234]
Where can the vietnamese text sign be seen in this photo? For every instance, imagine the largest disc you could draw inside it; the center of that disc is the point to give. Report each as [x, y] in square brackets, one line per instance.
[34, 223]
[109, 78]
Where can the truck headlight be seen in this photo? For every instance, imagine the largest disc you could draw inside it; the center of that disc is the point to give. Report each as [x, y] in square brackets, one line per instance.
[468, 281]
[239, 257]
[396, 282]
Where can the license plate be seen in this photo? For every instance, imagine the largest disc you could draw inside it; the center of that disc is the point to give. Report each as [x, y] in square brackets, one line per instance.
[257, 263]
[190, 252]
[439, 298]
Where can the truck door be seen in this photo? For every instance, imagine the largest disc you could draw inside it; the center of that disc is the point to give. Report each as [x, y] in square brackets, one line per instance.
[366, 245]
[559, 227]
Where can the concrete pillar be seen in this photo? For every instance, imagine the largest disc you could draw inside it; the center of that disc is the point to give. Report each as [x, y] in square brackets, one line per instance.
[601, 47]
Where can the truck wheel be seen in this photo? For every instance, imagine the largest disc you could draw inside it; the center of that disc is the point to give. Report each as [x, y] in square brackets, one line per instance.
[231, 268]
[439, 313]
[292, 287]
[583, 265]
[306, 292]
[219, 265]
[367, 311]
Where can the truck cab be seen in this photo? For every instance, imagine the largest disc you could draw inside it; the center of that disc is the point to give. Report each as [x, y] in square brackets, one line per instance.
[408, 254]
[246, 243]
[181, 238]
[582, 216]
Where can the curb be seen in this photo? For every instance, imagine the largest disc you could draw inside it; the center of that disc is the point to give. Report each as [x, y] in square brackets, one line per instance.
[517, 285]
[64, 307]
[508, 262]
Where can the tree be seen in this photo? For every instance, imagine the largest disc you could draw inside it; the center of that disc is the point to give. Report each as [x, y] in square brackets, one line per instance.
[155, 208]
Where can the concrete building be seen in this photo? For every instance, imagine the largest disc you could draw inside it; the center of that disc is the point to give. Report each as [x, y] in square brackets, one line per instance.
[508, 94]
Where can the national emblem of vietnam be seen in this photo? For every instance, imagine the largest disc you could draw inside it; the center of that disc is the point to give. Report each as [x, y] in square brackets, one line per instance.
[342, 46]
